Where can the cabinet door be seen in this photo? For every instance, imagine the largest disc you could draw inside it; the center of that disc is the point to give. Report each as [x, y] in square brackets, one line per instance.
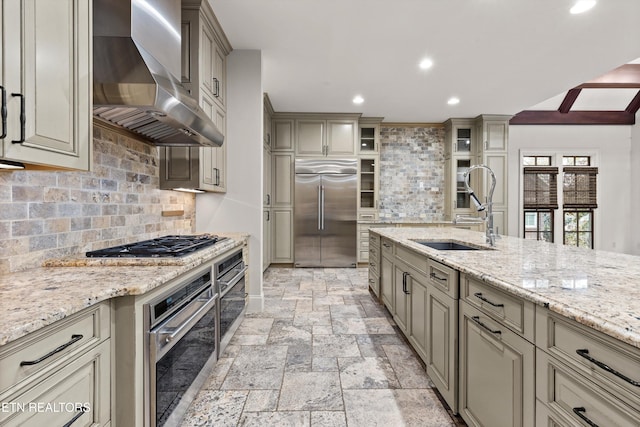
[282, 236]
[282, 174]
[401, 295]
[441, 346]
[219, 76]
[266, 238]
[220, 155]
[496, 373]
[207, 56]
[84, 383]
[283, 135]
[266, 180]
[419, 312]
[47, 60]
[341, 137]
[311, 137]
[386, 282]
[179, 167]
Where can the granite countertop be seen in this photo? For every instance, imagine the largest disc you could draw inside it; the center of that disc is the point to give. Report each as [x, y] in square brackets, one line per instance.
[36, 298]
[598, 289]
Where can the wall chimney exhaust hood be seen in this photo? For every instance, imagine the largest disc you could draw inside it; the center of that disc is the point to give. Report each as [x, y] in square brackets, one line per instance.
[136, 58]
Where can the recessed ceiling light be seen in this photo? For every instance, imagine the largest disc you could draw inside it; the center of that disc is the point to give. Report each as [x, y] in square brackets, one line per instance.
[453, 100]
[582, 6]
[358, 99]
[426, 63]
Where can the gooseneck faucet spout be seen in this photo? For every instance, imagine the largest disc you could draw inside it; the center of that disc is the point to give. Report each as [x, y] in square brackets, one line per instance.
[488, 206]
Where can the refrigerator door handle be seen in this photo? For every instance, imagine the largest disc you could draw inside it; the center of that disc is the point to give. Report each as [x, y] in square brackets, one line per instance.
[322, 206]
[319, 208]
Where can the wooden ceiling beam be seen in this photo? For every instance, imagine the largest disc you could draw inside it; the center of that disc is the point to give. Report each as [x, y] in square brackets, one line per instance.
[537, 117]
[569, 99]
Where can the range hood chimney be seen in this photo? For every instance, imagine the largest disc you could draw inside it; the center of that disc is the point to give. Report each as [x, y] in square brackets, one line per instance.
[136, 65]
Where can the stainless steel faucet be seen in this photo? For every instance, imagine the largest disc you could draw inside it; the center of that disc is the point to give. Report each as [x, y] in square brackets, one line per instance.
[488, 206]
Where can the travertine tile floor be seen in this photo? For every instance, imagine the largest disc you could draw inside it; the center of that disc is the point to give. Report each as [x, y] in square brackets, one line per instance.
[322, 353]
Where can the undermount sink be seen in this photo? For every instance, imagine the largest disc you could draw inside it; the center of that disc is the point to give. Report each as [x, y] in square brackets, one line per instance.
[447, 246]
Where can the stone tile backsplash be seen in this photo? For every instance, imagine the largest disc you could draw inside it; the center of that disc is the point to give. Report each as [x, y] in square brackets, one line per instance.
[55, 214]
[412, 176]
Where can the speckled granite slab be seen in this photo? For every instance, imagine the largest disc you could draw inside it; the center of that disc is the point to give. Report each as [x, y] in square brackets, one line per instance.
[596, 288]
[32, 299]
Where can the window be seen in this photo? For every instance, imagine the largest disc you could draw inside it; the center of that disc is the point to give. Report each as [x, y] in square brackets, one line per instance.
[540, 200]
[541, 197]
[579, 201]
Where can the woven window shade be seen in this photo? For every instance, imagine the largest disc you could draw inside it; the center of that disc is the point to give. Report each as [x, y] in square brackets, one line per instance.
[579, 187]
[540, 188]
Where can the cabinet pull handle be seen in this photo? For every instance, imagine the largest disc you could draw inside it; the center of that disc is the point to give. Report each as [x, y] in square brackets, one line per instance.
[216, 84]
[585, 353]
[217, 173]
[4, 112]
[477, 320]
[479, 296]
[386, 245]
[268, 216]
[23, 119]
[404, 282]
[580, 413]
[435, 276]
[75, 418]
[74, 338]
[268, 199]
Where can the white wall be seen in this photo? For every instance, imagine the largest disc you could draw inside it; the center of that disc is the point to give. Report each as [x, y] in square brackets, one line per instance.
[635, 186]
[240, 209]
[612, 146]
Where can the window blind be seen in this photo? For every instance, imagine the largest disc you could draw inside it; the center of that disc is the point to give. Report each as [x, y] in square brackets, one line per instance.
[541, 188]
[579, 187]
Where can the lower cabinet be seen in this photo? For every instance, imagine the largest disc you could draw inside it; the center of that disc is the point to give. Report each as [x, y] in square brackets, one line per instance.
[401, 297]
[496, 373]
[60, 374]
[386, 282]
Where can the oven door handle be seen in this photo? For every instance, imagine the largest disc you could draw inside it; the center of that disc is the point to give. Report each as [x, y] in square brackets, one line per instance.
[228, 284]
[167, 335]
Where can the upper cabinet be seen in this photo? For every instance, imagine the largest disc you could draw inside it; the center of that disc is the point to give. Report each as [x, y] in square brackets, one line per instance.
[46, 83]
[326, 135]
[460, 154]
[369, 136]
[204, 51]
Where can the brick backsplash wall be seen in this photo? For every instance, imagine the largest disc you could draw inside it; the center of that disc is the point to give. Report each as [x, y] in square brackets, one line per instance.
[45, 215]
[412, 174]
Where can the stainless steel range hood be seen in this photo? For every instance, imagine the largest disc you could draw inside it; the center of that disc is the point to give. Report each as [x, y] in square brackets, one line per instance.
[136, 58]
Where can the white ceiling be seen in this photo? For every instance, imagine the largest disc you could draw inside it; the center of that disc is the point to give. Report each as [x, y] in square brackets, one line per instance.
[497, 56]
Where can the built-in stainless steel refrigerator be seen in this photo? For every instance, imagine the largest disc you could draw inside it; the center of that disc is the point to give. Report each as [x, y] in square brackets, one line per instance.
[325, 212]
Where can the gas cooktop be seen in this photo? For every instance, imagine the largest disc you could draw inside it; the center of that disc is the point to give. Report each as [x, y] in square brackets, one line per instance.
[167, 246]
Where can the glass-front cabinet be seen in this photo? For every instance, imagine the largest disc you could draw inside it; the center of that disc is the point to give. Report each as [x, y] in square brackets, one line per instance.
[369, 135]
[460, 154]
[368, 183]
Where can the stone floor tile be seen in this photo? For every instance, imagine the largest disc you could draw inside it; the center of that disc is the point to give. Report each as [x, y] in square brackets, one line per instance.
[220, 371]
[254, 326]
[328, 419]
[303, 306]
[349, 326]
[262, 400]
[275, 419]
[313, 285]
[367, 372]
[371, 345]
[420, 408]
[347, 311]
[289, 334]
[299, 358]
[312, 318]
[215, 408]
[324, 364]
[410, 372]
[322, 303]
[378, 326]
[335, 346]
[249, 339]
[322, 330]
[304, 391]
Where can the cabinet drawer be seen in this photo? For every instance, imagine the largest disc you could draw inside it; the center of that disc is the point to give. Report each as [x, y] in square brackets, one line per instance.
[388, 248]
[415, 260]
[509, 310]
[577, 399]
[443, 277]
[81, 388]
[58, 342]
[364, 234]
[610, 363]
[374, 283]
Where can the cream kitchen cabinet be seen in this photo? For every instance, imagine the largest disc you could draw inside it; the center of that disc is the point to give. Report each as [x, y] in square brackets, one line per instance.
[583, 375]
[374, 260]
[47, 79]
[282, 175]
[67, 363]
[369, 135]
[460, 154]
[496, 362]
[204, 49]
[283, 139]
[282, 249]
[326, 137]
[387, 250]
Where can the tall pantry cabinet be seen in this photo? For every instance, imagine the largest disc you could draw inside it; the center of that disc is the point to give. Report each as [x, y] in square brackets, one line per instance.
[204, 51]
[46, 80]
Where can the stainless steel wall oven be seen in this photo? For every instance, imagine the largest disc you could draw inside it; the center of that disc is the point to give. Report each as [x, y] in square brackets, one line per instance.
[230, 283]
[183, 339]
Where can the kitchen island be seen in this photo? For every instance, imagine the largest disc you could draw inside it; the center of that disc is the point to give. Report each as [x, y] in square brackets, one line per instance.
[523, 333]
